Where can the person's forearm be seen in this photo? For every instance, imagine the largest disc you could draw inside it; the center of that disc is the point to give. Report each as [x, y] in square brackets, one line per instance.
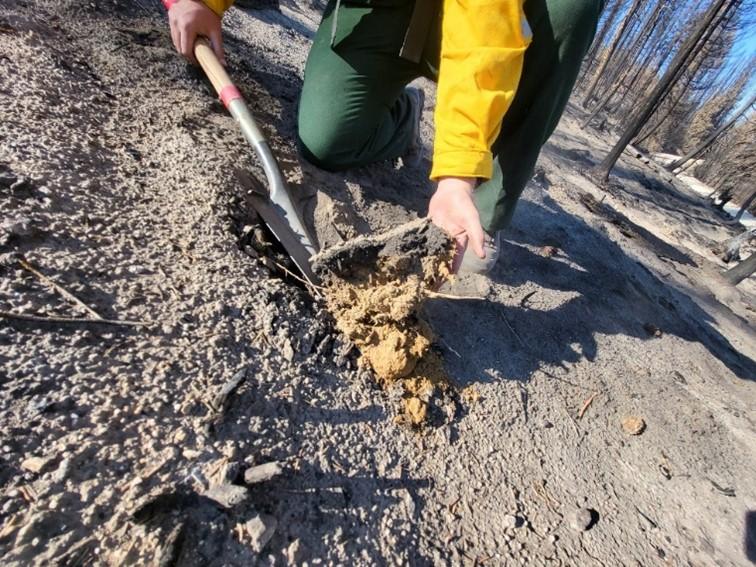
[482, 54]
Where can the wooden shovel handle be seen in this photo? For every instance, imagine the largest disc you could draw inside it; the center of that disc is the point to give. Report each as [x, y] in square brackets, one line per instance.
[215, 71]
[230, 96]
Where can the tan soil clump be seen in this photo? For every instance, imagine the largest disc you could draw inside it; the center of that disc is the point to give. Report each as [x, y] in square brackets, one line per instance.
[377, 309]
[633, 425]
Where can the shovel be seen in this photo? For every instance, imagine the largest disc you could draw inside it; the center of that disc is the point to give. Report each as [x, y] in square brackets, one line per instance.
[276, 208]
[411, 241]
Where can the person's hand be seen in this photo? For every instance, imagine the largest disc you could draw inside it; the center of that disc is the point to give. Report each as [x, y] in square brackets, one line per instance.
[190, 19]
[452, 209]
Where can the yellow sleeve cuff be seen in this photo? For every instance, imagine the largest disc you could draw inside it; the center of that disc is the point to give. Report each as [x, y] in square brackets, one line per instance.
[462, 163]
[218, 6]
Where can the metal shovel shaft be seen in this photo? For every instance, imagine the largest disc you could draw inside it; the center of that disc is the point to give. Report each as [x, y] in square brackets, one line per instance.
[278, 211]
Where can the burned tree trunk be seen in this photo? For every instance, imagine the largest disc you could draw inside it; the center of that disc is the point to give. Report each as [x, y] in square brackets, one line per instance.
[730, 248]
[599, 40]
[743, 270]
[618, 36]
[684, 83]
[629, 63]
[698, 150]
[702, 31]
[747, 203]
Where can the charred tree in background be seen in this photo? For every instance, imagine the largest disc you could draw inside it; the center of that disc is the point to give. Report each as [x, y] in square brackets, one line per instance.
[746, 204]
[700, 34]
[743, 270]
[704, 145]
[619, 35]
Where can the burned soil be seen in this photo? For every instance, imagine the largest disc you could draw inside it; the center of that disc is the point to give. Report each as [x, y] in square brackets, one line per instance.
[375, 288]
[142, 444]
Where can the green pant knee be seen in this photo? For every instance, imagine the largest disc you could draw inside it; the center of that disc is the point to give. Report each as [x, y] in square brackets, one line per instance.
[323, 145]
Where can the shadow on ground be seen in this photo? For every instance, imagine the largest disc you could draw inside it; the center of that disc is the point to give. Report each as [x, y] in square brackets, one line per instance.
[329, 502]
[604, 291]
[609, 292]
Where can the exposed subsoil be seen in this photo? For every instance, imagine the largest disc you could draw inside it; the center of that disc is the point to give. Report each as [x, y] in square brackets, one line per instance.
[602, 378]
[375, 288]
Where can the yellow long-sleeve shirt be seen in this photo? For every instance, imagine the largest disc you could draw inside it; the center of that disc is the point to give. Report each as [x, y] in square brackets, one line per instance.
[482, 52]
[218, 6]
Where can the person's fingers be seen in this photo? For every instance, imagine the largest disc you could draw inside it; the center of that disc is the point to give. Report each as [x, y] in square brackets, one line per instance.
[477, 237]
[175, 38]
[216, 40]
[460, 245]
[183, 42]
[187, 44]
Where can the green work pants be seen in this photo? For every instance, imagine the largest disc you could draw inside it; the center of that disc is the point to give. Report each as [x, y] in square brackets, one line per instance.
[354, 111]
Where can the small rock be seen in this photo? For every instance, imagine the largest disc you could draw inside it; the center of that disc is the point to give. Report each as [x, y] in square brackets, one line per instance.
[34, 464]
[652, 330]
[581, 519]
[294, 553]
[470, 394]
[190, 454]
[39, 405]
[227, 495]
[21, 184]
[64, 404]
[261, 473]
[9, 507]
[18, 227]
[8, 259]
[100, 415]
[7, 179]
[511, 521]
[62, 471]
[633, 425]
[260, 529]
[549, 251]
[288, 351]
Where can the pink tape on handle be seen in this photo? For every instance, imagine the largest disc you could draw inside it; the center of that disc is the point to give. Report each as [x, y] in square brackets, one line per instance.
[169, 3]
[229, 93]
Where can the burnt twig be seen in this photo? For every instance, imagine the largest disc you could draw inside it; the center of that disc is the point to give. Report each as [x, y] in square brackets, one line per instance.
[57, 287]
[587, 403]
[218, 403]
[69, 320]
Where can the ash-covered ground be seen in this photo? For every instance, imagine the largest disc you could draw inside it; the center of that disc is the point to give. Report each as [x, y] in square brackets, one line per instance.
[141, 444]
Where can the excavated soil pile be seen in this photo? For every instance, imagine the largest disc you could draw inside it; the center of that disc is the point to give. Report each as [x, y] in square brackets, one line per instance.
[374, 289]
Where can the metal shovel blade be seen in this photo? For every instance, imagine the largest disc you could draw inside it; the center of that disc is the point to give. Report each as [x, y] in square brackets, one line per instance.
[274, 217]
